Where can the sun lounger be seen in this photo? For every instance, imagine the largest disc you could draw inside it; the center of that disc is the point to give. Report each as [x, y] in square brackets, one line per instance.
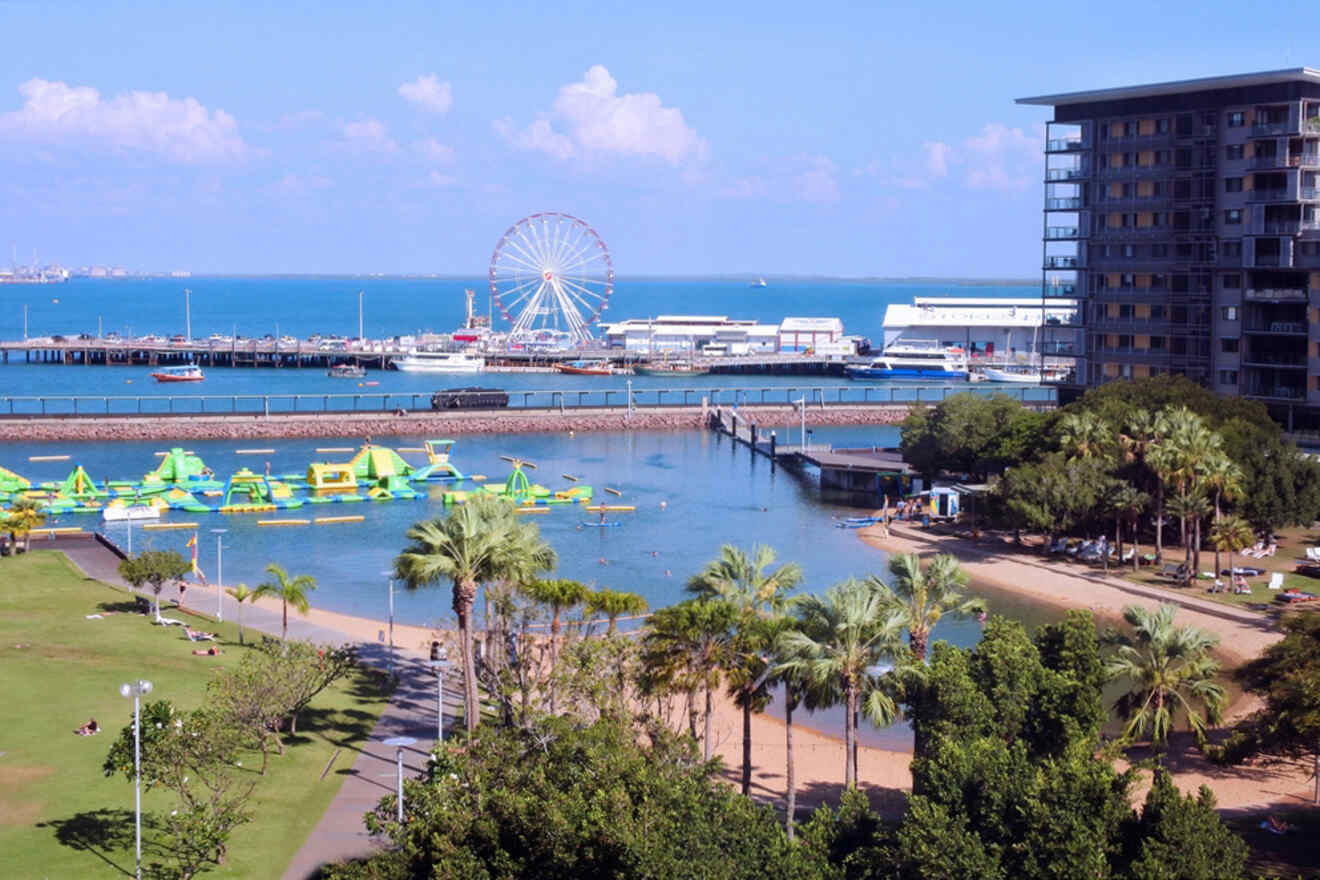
[1276, 581]
[1175, 570]
[1313, 554]
[1255, 551]
[169, 621]
[197, 636]
[1292, 596]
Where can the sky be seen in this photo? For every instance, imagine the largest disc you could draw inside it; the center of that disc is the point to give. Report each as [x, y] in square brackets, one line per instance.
[763, 138]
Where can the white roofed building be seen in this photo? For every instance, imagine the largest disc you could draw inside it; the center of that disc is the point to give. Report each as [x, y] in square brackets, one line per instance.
[983, 325]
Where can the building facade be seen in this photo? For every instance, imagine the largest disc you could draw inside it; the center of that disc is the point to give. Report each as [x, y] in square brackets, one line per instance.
[1185, 219]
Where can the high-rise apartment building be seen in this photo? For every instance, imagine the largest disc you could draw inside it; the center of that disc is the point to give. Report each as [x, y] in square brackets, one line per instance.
[1185, 219]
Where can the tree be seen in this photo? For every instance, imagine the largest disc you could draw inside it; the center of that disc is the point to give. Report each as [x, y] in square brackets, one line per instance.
[614, 604]
[302, 670]
[685, 648]
[254, 702]
[1168, 669]
[1287, 677]
[290, 591]
[241, 594]
[25, 514]
[1086, 435]
[154, 568]
[926, 596]
[474, 544]
[1125, 503]
[1223, 479]
[1229, 535]
[561, 801]
[840, 637]
[1189, 507]
[1181, 838]
[742, 580]
[1054, 494]
[558, 595]
[970, 433]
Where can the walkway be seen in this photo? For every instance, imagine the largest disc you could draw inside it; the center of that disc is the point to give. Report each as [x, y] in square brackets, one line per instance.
[340, 834]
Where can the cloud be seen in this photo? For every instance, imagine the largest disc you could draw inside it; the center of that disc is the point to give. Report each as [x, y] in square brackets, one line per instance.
[589, 118]
[436, 179]
[297, 184]
[436, 152]
[428, 93]
[799, 178]
[178, 129]
[997, 157]
[936, 155]
[368, 135]
[819, 182]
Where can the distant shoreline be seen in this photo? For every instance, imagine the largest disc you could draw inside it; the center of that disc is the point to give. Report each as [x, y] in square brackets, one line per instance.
[422, 276]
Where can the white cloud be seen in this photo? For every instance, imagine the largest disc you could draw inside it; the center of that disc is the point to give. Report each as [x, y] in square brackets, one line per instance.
[434, 151]
[744, 188]
[998, 157]
[589, 118]
[439, 180]
[937, 158]
[819, 182]
[799, 178]
[428, 93]
[369, 135]
[296, 184]
[179, 129]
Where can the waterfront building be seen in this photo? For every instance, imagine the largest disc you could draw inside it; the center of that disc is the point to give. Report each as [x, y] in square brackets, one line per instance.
[1185, 218]
[690, 334]
[994, 326]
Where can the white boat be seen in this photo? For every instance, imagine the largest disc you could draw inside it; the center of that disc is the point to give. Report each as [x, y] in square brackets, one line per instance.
[1025, 375]
[760, 282]
[129, 512]
[914, 359]
[420, 361]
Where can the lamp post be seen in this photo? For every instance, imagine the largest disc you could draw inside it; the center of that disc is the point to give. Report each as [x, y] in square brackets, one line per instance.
[802, 404]
[137, 690]
[389, 658]
[441, 665]
[219, 574]
[399, 742]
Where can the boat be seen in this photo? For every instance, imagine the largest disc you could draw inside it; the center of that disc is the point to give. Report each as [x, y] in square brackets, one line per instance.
[666, 368]
[346, 371]
[760, 282]
[422, 361]
[914, 359]
[1025, 375]
[187, 373]
[585, 368]
[129, 512]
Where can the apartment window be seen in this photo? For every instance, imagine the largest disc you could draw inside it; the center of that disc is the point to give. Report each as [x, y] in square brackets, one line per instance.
[1129, 280]
[1157, 343]
[1104, 131]
[1129, 129]
[1233, 184]
[1161, 157]
[1236, 119]
[1232, 281]
[1233, 217]
[1157, 313]
[1228, 377]
[1310, 248]
[1228, 345]
[1230, 248]
[1159, 251]
[1233, 151]
[1161, 126]
[1129, 251]
[1228, 313]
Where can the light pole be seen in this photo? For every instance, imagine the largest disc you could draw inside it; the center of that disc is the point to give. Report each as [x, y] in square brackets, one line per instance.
[441, 666]
[389, 658]
[219, 574]
[802, 404]
[25, 320]
[137, 690]
[399, 742]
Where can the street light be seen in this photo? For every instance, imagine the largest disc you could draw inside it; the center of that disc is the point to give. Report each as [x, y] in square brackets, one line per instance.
[137, 690]
[441, 665]
[802, 404]
[399, 742]
[389, 658]
[219, 575]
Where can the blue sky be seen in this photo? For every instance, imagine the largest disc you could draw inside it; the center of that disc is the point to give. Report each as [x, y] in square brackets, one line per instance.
[825, 138]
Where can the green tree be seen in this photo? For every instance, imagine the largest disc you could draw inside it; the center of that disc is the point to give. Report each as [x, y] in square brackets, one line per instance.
[302, 670]
[154, 568]
[1181, 838]
[1229, 535]
[1125, 503]
[1168, 670]
[1086, 435]
[558, 595]
[925, 596]
[1222, 478]
[289, 590]
[685, 648]
[970, 433]
[840, 637]
[742, 580]
[241, 594]
[1287, 678]
[615, 604]
[25, 514]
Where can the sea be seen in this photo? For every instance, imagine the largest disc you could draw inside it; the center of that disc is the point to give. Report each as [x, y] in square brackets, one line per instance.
[692, 490]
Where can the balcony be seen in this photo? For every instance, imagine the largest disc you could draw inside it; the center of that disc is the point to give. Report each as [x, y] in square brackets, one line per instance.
[1132, 232]
[1276, 160]
[1064, 145]
[1060, 290]
[1065, 174]
[1068, 204]
[1276, 294]
[1310, 192]
[1272, 129]
[1062, 262]
[1279, 392]
[1291, 328]
[1267, 260]
[1055, 233]
[1270, 195]
[1261, 226]
[1274, 359]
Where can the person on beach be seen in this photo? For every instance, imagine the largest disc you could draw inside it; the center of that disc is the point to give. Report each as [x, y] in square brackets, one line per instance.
[91, 728]
[182, 588]
[209, 652]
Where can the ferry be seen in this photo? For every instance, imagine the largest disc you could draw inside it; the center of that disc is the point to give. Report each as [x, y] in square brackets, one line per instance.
[187, 373]
[914, 359]
[346, 371]
[670, 368]
[1028, 375]
[585, 368]
[420, 361]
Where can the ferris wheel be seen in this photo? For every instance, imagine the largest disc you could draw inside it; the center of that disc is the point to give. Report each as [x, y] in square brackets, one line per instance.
[551, 275]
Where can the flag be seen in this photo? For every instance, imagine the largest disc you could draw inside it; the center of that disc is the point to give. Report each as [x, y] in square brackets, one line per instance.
[192, 543]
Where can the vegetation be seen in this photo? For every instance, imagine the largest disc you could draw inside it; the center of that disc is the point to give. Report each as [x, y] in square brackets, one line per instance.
[24, 515]
[926, 596]
[153, 569]
[289, 590]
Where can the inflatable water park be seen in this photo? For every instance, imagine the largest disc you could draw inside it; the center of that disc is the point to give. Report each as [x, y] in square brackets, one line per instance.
[183, 482]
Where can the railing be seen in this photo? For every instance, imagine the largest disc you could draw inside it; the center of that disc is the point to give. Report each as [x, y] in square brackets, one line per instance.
[1269, 195]
[1276, 227]
[1064, 145]
[1064, 204]
[1062, 232]
[1265, 129]
[1062, 290]
[1276, 294]
[535, 399]
[1065, 174]
[1310, 192]
[1267, 259]
[1294, 327]
[1056, 262]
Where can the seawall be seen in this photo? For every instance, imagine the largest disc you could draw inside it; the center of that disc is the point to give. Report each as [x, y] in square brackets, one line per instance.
[520, 421]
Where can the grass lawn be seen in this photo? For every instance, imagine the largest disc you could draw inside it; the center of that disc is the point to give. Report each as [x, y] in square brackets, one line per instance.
[59, 815]
[1296, 854]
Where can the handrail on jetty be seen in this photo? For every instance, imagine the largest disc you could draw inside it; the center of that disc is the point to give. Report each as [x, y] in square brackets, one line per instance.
[852, 394]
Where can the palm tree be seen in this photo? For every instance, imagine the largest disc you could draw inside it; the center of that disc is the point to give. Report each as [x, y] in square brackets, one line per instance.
[614, 604]
[1085, 435]
[559, 594]
[742, 580]
[25, 514]
[1230, 534]
[291, 591]
[1222, 476]
[1190, 508]
[924, 597]
[474, 544]
[686, 648]
[839, 638]
[241, 594]
[1126, 504]
[526, 556]
[1168, 668]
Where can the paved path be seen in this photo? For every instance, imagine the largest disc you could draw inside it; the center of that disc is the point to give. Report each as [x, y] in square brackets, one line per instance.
[340, 834]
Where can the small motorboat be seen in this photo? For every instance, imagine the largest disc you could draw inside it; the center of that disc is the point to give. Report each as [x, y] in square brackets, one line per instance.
[670, 368]
[129, 512]
[346, 371]
[586, 368]
[187, 373]
[1023, 375]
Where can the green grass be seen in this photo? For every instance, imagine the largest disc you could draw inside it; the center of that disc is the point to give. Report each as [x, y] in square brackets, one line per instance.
[59, 816]
[1295, 854]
